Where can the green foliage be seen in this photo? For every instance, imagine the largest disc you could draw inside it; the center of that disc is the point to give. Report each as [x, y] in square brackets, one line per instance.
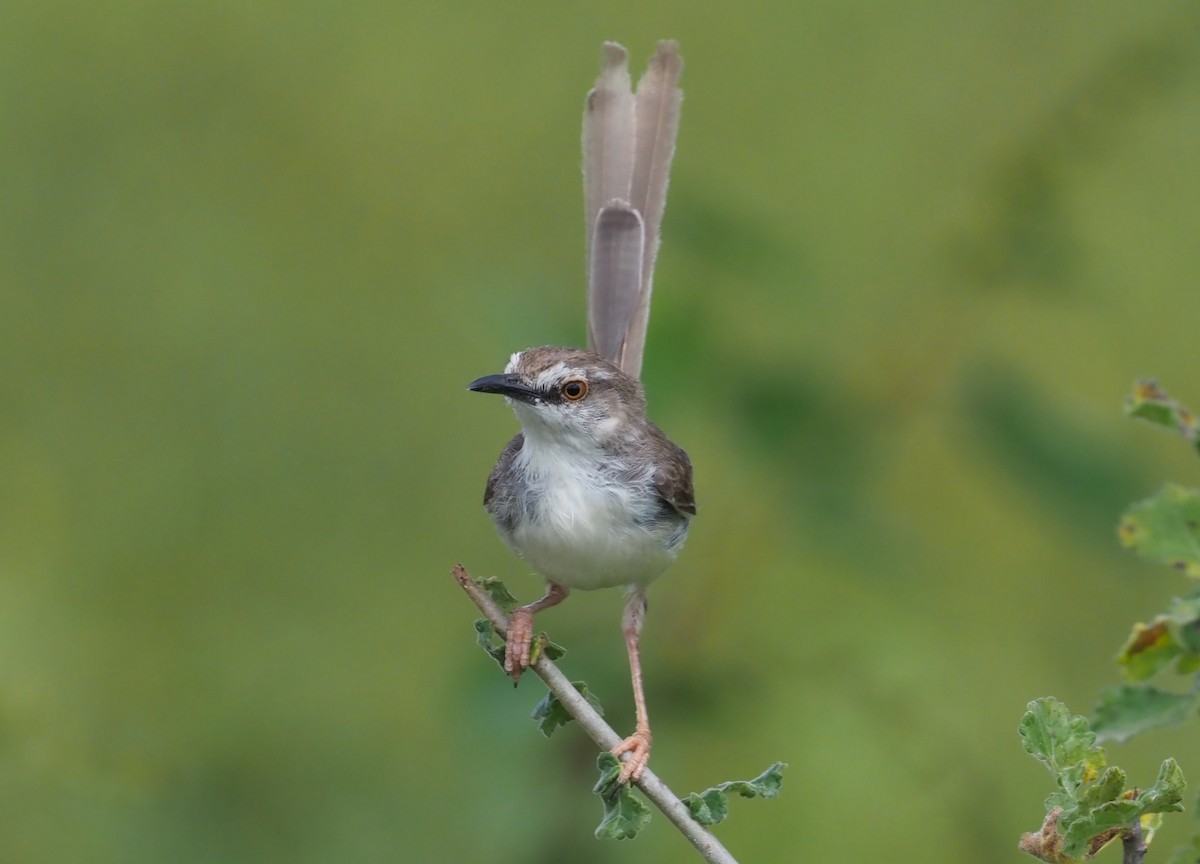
[485, 635]
[1151, 403]
[543, 645]
[488, 638]
[624, 813]
[550, 712]
[1166, 528]
[712, 805]
[1064, 743]
[1124, 710]
[499, 593]
[1091, 806]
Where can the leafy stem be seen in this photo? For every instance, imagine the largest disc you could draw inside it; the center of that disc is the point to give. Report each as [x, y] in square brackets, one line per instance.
[581, 710]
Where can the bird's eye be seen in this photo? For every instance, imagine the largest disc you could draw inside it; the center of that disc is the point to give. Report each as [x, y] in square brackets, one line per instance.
[575, 389]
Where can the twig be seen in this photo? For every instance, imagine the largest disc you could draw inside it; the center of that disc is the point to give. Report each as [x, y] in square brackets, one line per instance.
[1133, 843]
[599, 731]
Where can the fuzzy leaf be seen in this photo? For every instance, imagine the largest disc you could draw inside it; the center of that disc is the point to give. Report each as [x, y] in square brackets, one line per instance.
[499, 593]
[624, 814]
[1062, 742]
[1150, 402]
[484, 631]
[1174, 635]
[543, 645]
[712, 805]
[1087, 822]
[1165, 528]
[1151, 822]
[1149, 648]
[1127, 709]
[550, 713]
[1089, 811]
[1108, 788]
[1183, 616]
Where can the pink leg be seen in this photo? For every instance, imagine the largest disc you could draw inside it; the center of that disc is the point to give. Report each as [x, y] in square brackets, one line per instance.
[520, 630]
[636, 745]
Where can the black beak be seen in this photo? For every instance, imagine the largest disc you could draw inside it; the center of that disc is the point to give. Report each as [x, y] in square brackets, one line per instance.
[506, 385]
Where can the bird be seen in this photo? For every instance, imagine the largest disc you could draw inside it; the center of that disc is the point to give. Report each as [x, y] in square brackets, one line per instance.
[590, 493]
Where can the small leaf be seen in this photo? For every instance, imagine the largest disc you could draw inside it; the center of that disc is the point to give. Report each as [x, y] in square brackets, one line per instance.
[500, 594]
[1125, 710]
[708, 807]
[624, 814]
[1149, 648]
[542, 645]
[1151, 822]
[1086, 823]
[1109, 788]
[712, 805]
[1165, 528]
[550, 712]
[1183, 614]
[1174, 635]
[1150, 402]
[484, 631]
[1089, 811]
[1064, 743]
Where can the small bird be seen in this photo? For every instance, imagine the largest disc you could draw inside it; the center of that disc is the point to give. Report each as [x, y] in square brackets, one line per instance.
[590, 493]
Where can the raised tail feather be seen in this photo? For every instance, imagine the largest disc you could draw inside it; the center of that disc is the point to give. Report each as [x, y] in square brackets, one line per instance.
[628, 145]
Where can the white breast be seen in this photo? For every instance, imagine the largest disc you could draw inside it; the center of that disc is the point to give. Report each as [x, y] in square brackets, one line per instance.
[581, 528]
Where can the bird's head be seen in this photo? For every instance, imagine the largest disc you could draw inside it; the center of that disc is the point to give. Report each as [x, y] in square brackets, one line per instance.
[568, 396]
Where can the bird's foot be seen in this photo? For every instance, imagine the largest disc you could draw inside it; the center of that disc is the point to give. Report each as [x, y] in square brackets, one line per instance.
[637, 746]
[518, 643]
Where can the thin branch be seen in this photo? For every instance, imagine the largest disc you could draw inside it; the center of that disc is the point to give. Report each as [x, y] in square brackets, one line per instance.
[1133, 843]
[599, 731]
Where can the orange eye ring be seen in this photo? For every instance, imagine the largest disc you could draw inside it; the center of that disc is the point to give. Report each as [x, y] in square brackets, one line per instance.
[574, 390]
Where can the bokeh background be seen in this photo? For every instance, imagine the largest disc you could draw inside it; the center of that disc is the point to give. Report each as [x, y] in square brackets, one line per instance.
[250, 255]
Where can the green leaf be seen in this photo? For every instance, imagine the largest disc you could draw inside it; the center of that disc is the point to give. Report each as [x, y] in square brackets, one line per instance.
[484, 633]
[550, 712]
[1090, 810]
[1106, 789]
[1063, 743]
[1149, 648]
[624, 814]
[712, 805]
[500, 594]
[1150, 402]
[1125, 710]
[542, 645]
[1174, 635]
[1183, 616]
[1165, 528]
[1087, 822]
[1151, 822]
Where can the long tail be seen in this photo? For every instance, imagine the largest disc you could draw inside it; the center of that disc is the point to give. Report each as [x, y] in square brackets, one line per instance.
[628, 144]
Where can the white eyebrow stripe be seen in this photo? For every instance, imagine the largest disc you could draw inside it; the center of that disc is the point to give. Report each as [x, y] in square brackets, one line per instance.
[553, 374]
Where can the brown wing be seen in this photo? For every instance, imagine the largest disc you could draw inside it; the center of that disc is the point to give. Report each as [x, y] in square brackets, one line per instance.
[510, 451]
[673, 480]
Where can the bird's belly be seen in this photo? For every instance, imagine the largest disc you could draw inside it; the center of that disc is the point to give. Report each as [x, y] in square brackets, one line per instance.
[586, 538]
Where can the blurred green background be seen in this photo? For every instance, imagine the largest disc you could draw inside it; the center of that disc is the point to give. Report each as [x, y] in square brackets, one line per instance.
[252, 252]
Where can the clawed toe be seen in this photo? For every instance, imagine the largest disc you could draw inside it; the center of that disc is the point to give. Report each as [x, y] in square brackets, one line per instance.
[637, 746]
[517, 645]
